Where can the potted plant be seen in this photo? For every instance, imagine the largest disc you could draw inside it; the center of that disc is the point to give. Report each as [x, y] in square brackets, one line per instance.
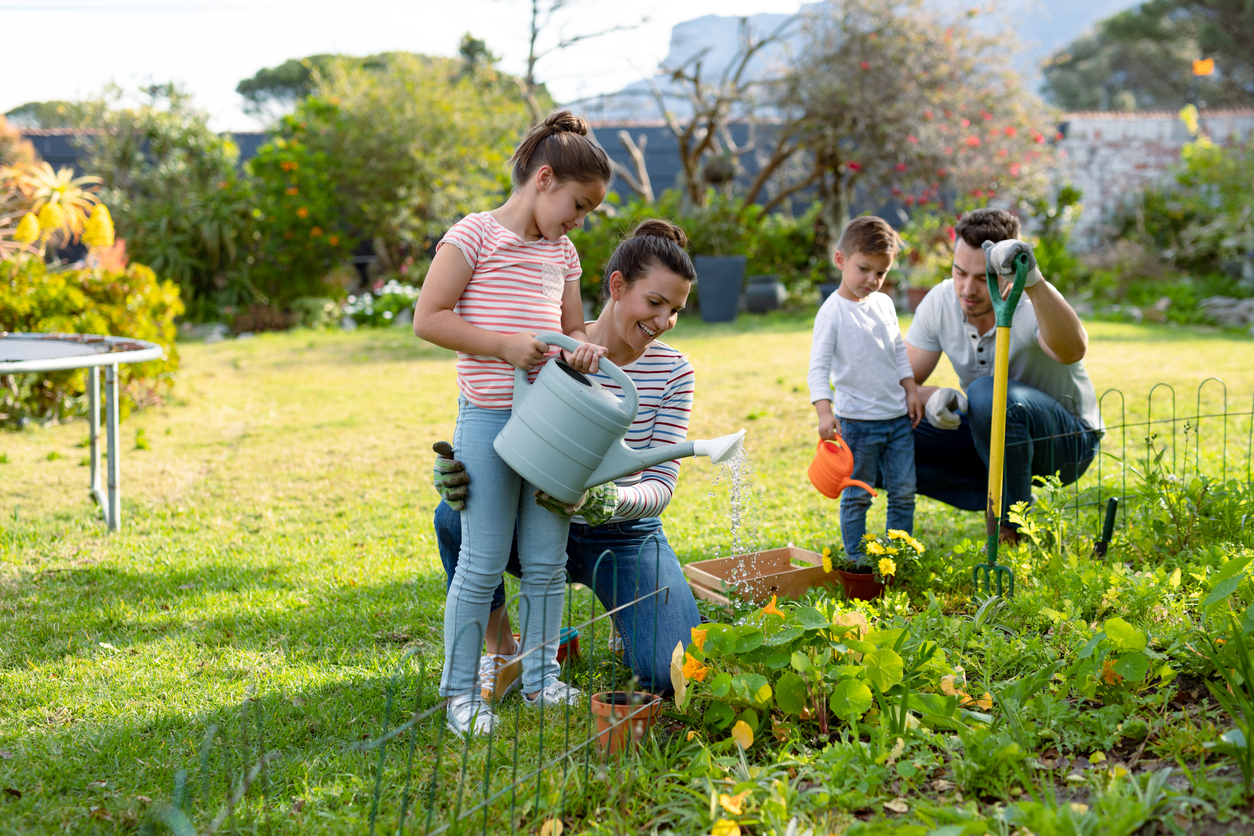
[887, 559]
[765, 293]
[723, 233]
[623, 718]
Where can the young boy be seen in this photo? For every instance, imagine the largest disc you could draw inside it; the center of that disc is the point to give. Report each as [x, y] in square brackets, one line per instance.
[858, 351]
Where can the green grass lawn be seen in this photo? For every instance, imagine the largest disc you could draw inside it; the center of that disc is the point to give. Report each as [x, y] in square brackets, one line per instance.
[277, 544]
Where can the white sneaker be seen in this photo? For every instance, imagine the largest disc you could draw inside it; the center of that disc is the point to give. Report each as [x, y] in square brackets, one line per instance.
[555, 693]
[466, 714]
[498, 676]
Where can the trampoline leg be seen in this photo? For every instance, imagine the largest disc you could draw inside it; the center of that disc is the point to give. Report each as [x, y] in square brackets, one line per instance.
[93, 398]
[113, 513]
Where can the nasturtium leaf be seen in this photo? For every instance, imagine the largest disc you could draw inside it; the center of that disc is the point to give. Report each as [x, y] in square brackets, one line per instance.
[751, 687]
[1227, 581]
[800, 662]
[678, 682]
[748, 638]
[721, 686]
[750, 718]
[809, 618]
[719, 714]
[884, 669]
[742, 734]
[1123, 635]
[790, 693]
[850, 698]
[1132, 666]
[1087, 650]
[783, 636]
[1247, 620]
[778, 658]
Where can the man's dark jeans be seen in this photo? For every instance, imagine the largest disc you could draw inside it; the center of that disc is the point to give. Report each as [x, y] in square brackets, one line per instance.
[1042, 439]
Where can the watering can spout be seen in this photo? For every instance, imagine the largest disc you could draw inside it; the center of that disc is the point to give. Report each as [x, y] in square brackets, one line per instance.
[621, 460]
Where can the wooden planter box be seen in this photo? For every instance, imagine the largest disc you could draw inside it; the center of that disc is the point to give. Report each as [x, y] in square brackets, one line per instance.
[786, 572]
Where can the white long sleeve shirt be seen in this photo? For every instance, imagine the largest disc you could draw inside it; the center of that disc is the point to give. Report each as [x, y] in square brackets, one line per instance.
[858, 358]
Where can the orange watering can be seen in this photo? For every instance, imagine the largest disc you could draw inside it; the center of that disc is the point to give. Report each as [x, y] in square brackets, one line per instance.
[832, 467]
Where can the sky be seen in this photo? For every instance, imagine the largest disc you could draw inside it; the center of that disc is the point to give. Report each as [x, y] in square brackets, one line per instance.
[210, 46]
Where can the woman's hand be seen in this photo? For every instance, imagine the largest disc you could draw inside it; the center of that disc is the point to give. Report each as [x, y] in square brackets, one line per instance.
[596, 505]
[584, 359]
[522, 350]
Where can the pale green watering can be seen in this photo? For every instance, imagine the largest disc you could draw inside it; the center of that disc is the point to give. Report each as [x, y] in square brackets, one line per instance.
[566, 431]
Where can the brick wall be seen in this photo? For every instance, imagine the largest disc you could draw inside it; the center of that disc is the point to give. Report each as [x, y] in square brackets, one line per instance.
[1110, 156]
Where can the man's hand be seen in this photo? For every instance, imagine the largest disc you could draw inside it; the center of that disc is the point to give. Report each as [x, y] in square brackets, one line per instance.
[451, 481]
[596, 505]
[522, 350]
[584, 359]
[1000, 258]
[943, 407]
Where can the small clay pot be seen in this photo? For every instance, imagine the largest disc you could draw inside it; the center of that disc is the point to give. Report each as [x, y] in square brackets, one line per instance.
[914, 296]
[624, 718]
[860, 586]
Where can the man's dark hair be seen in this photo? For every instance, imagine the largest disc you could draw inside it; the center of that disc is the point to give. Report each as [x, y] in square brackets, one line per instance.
[980, 225]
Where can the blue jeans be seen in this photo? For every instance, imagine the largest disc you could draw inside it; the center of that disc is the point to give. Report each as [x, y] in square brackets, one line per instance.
[650, 629]
[501, 497]
[1042, 439]
[883, 449]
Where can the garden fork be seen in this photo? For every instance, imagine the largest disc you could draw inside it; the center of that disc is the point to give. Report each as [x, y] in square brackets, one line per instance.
[984, 574]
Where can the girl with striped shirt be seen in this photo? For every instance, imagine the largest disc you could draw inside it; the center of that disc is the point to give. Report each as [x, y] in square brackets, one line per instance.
[647, 283]
[497, 279]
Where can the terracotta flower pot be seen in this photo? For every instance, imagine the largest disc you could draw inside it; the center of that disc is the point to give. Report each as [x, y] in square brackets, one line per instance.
[624, 718]
[914, 296]
[860, 586]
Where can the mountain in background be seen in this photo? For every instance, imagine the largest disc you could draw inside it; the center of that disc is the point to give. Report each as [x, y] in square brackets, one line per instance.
[1042, 28]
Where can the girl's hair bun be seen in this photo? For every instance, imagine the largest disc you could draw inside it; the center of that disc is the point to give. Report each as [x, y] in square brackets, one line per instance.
[662, 229]
[565, 121]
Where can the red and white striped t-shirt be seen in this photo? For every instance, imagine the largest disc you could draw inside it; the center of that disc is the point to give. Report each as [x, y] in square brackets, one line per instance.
[515, 286]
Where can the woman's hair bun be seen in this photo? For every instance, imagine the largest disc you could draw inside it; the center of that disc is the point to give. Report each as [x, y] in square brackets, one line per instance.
[564, 120]
[662, 229]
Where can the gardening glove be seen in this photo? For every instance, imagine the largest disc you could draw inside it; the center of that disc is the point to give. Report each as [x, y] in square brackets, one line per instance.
[451, 481]
[1000, 258]
[943, 407]
[596, 505]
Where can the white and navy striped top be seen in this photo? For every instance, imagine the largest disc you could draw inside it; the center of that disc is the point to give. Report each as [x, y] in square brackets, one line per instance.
[664, 381]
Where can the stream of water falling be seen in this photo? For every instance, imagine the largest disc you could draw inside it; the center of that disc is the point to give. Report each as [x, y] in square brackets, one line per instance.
[744, 512]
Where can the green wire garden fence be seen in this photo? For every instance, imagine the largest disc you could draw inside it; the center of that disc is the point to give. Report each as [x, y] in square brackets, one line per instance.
[424, 779]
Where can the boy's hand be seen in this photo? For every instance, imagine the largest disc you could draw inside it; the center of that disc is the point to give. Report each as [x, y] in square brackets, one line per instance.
[914, 407]
[522, 350]
[584, 359]
[943, 407]
[827, 427]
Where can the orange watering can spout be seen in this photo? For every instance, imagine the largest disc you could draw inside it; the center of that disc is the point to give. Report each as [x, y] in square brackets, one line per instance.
[832, 467]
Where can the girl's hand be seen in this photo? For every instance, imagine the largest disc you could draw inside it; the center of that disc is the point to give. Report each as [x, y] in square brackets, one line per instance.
[584, 359]
[523, 350]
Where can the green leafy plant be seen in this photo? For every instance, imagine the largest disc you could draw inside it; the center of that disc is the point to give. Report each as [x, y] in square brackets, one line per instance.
[380, 308]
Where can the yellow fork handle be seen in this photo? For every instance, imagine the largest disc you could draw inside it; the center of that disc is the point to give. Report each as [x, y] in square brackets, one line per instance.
[997, 439]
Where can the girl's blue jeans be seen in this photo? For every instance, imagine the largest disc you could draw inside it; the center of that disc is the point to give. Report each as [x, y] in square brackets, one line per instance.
[638, 561]
[878, 446]
[498, 498]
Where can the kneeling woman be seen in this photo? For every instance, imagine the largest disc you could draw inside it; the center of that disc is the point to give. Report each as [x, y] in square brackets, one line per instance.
[647, 282]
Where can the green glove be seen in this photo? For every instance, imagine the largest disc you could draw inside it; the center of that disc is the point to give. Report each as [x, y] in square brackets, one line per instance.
[451, 482]
[596, 505]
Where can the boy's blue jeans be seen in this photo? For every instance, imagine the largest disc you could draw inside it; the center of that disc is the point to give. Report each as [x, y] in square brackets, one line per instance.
[500, 497]
[635, 567]
[878, 447]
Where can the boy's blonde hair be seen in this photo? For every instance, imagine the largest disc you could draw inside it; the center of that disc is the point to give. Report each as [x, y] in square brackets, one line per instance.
[870, 235]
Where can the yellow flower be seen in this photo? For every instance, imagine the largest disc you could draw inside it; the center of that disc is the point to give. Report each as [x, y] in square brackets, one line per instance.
[873, 547]
[915, 544]
[698, 637]
[734, 804]
[887, 567]
[27, 231]
[725, 827]
[51, 217]
[771, 609]
[827, 560]
[693, 669]
[99, 230]
[892, 550]
[897, 534]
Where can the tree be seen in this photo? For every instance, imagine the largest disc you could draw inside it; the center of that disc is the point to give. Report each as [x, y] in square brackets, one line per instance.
[51, 114]
[1143, 58]
[273, 91]
[412, 146]
[896, 102]
[175, 190]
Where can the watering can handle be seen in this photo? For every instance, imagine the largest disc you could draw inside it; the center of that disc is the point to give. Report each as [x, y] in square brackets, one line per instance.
[631, 399]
